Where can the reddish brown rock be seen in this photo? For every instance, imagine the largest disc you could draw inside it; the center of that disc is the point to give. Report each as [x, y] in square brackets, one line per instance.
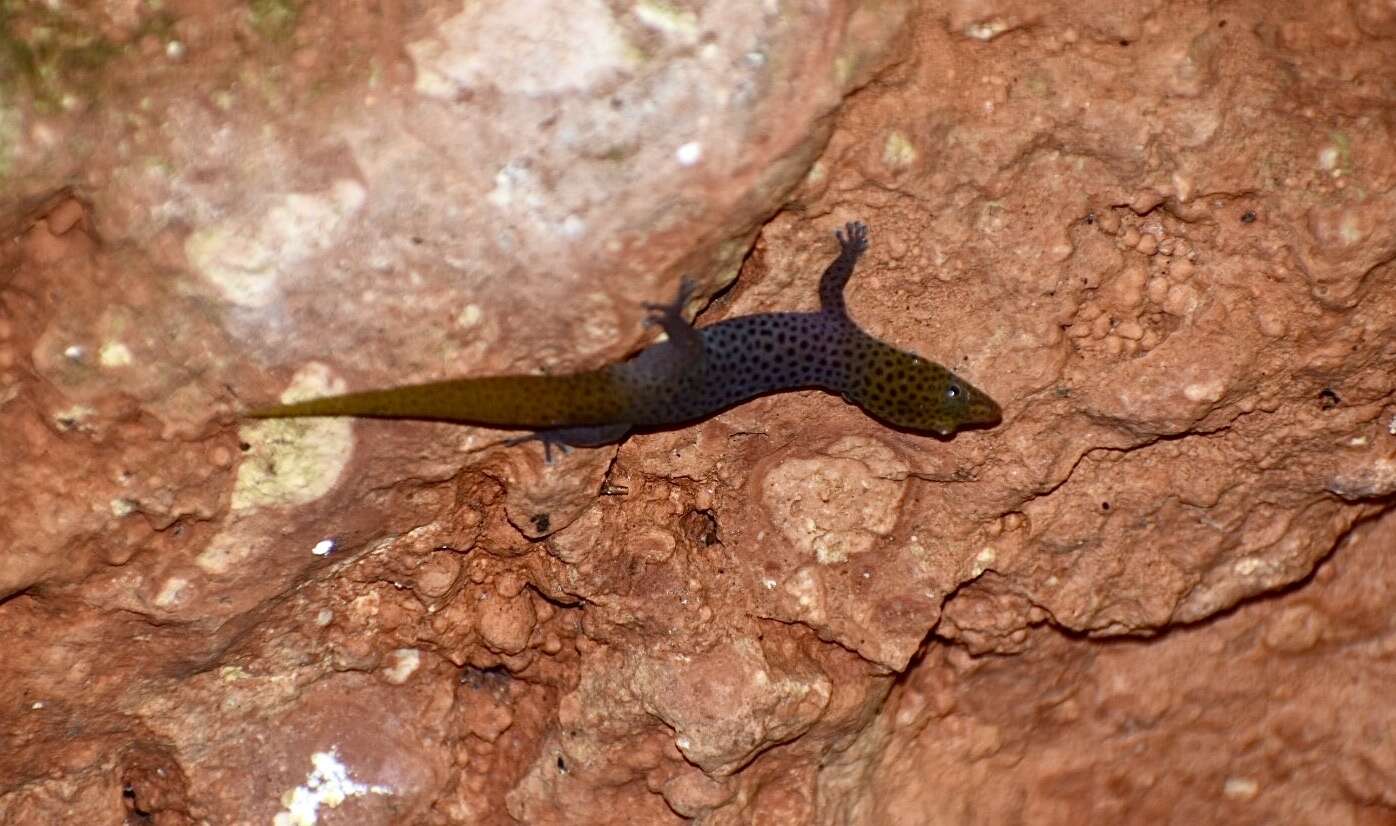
[1162, 235]
[1277, 711]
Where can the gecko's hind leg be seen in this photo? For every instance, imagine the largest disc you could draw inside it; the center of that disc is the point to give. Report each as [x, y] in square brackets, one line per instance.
[566, 438]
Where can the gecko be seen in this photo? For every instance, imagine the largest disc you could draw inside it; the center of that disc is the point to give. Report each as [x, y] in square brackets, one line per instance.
[695, 373]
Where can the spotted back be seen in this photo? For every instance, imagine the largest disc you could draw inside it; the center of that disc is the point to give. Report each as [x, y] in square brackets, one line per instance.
[755, 355]
[764, 353]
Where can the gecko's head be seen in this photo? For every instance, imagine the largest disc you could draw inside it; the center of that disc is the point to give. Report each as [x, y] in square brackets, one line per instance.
[917, 394]
[964, 405]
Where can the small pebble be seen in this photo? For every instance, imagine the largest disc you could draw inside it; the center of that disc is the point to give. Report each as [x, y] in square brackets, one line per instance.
[1158, 289]
[1180, 300]
[1271, 324]
[1145, 201]
[1128, 289]
[1100, 327]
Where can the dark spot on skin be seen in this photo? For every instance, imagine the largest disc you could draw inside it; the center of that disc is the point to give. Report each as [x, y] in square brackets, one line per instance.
[1090, 218]
[1248, 217]
[561, 765]
[541, 522]
[1124, 42]
[417, 239]
[1105, 506]
[244, 446]
[1328, 399]
[1221, 24]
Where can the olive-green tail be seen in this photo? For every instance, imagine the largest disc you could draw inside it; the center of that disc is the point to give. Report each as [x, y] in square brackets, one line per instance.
[523, 402]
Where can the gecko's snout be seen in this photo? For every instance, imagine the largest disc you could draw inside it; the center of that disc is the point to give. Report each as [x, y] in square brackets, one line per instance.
[982, 410]
[967, 406]
[976, 409]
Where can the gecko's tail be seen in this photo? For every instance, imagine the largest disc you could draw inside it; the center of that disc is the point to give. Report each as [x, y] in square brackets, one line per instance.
[499, 401]
[373, 403]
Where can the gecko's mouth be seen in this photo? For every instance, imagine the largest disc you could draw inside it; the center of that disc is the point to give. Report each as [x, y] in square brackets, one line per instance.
[992, 413]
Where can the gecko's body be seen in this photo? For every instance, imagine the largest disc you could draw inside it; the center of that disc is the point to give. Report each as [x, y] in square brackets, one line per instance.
[694, 374]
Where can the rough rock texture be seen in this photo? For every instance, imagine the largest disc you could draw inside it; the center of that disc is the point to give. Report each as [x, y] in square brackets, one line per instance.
[1162, 235]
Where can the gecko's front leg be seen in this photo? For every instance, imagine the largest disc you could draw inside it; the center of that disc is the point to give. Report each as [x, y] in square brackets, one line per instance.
[688, 345]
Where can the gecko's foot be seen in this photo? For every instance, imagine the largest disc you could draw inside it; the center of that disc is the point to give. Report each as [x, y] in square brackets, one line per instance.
[547, 440]
[548, 449]
[672, 312]
[566, 438]
[669, 318]
[853, 238]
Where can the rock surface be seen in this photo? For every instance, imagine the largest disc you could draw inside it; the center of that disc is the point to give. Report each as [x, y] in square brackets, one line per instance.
[1162, 235]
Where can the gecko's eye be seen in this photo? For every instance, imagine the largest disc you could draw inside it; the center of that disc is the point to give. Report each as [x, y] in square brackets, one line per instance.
[953, 391]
